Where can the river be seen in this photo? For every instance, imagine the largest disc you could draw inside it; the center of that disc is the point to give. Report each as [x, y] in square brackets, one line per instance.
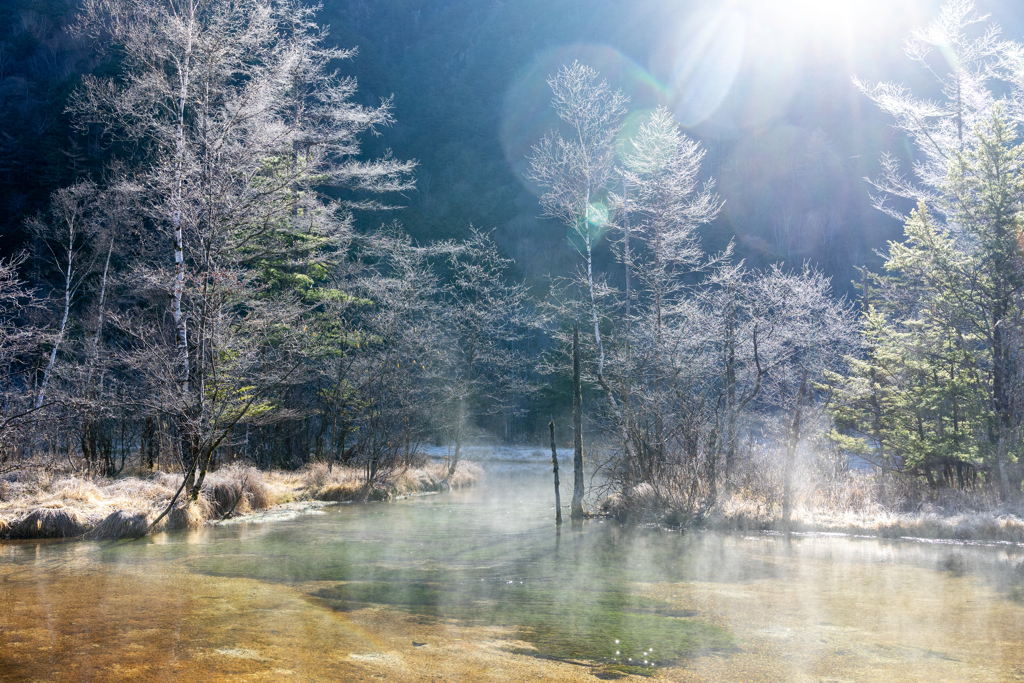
[479, 584]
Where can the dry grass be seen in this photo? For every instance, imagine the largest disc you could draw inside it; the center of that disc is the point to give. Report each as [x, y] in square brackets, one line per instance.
[120, 524]
[38, 504]
[89, 502]
[466, 474]
[50, 522]
[348, 484]
[339, 485]
[120, 508]
[237, 490]
[190, 515]
[893, 506]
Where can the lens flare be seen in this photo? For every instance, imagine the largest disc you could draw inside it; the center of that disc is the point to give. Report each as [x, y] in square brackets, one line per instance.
[700, 61]
[598, 215]
[630, 129]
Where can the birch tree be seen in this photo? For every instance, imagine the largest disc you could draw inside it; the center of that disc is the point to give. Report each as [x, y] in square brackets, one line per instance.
[576, 171]
[242, 119]
[66, 234]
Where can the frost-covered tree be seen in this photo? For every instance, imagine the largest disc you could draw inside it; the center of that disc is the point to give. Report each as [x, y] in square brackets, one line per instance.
[969, 61]
[662, 205]
[485, 317]
[576, 171]
[66, 233]
[241, 119]
[18, 411]
[959, 271]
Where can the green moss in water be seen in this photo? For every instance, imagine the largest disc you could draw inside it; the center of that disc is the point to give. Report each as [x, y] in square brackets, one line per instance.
[623, 632]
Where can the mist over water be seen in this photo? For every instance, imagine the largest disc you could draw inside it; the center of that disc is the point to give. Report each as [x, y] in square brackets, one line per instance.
[478, 584]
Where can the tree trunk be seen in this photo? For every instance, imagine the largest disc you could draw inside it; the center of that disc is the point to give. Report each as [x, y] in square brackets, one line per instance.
[338, 452]
[149, 443]
[458, 439]
[1004, 479]
[731, 409]
[577, 427]
[794, 440]
[554, 467]
[40, 397]
[88, 446]
[1001, 402]
[95, 351]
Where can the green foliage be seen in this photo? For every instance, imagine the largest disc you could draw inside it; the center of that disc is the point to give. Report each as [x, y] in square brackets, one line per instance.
[938, 381]
[914, 400]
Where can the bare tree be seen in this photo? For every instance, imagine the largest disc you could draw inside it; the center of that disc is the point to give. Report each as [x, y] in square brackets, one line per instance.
[812, 333]
[17, 339]
[965, 68]
[668, 205]
[576, 170]
[485, 318]
[67, 233]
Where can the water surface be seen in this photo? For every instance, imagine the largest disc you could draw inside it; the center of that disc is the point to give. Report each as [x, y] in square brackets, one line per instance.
[480, 585]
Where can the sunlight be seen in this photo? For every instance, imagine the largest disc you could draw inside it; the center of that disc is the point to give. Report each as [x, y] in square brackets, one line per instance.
[699, 60]
[811, 17]
[737, 64]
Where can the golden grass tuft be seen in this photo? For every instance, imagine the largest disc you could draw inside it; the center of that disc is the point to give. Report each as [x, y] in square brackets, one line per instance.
[190, 515]
[227, 497]
[237, 489]
[78, 490]
[40, 505]
[121, 524]
[316, 475]
[50, 522]
[427, 478]
[341, 484]
[338, 492]
[466, 474]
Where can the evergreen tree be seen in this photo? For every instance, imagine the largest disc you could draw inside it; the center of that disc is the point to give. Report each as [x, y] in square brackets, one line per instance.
[940, 383]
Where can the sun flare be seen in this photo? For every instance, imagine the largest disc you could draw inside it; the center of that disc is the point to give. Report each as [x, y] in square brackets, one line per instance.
[818, 17]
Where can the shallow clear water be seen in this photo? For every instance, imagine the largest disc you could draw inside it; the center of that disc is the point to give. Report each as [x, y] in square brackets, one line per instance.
[480, 585]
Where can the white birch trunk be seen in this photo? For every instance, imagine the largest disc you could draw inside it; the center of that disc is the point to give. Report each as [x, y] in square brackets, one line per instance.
[94, 353]
[41, 396]
[178, 287]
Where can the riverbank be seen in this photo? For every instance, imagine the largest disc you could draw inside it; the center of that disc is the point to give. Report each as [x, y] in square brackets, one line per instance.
[931, 521]
[854, 504]
[37, 503]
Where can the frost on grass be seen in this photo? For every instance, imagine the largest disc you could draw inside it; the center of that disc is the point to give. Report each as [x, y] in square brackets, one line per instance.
[40, 505]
